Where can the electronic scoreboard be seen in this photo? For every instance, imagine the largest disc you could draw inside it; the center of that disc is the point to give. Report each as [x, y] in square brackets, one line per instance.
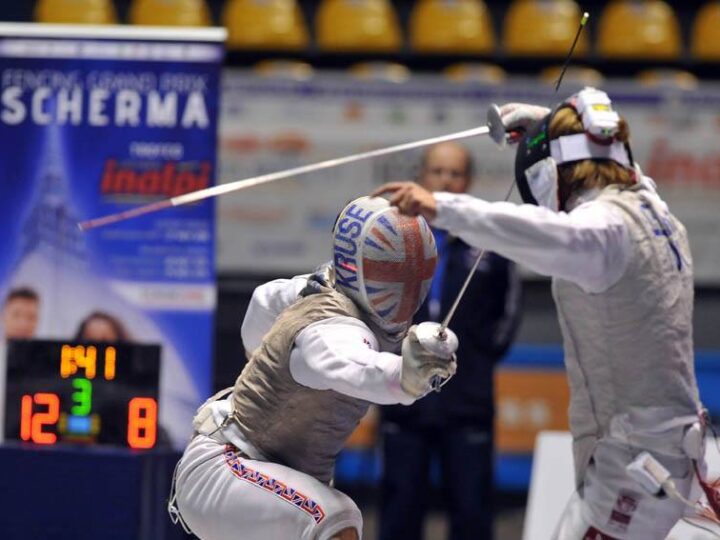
[86, 393]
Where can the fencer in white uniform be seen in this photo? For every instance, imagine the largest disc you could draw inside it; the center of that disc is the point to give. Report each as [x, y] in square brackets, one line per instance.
[261, 463]
[622, 281]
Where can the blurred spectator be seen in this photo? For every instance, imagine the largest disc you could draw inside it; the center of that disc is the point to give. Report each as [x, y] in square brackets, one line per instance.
[20, 313]
[101, 326]
[453, 427]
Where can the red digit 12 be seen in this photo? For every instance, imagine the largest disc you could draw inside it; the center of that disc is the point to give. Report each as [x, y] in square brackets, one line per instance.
[31, 424]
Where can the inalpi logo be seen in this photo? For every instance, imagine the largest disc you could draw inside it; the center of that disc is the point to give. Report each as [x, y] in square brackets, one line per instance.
[168, 179]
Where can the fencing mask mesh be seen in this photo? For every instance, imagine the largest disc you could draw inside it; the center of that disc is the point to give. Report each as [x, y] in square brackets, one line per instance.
[383, 261]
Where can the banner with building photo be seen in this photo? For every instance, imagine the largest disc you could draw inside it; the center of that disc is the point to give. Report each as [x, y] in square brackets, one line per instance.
[96, 120]
[270, 124]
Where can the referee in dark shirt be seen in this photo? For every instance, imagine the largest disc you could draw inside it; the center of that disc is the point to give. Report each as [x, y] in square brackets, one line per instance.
[454, 427]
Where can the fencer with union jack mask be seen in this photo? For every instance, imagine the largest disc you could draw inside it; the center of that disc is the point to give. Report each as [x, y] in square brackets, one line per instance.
[622, 281]
[321, 348]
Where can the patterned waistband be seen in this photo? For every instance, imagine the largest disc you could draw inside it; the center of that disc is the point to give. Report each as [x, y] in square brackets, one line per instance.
[234, 459]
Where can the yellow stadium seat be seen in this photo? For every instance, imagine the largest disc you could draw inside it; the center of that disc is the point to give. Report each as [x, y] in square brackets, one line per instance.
[639, 30]
[543, 28]
[475, 72]
[574, 75]
[284, 69]
[265, 24]
[357, 26]
[668, 78]
[76, 11]
[170, 13]
[451, 26]
[380, 71]
[706, 33]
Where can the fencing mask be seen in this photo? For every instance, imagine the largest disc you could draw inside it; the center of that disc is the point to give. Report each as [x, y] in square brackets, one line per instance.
[538, 156]
[383, 261]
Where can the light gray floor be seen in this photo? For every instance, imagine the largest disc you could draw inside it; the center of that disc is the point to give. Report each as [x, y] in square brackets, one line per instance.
[508, 525]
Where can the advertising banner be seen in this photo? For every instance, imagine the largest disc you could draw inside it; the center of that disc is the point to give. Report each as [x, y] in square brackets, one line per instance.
[95, 120]
[270, 124]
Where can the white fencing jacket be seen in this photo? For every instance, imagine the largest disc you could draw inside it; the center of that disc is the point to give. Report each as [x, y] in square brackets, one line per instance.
[340, 353]
[622, 283]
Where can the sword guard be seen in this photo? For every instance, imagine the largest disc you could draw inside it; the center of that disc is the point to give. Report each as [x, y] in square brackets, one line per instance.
[497, 129]
[437, 340]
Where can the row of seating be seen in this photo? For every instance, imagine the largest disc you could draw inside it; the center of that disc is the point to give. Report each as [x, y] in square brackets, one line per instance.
[477, 72]
[626, 29]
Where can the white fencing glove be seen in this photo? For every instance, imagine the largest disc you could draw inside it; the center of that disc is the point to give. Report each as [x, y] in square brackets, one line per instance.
[513, 118]
[421, 368]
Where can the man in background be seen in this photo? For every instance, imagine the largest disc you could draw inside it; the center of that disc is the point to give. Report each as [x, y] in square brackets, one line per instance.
[20, 314]
[453, 428]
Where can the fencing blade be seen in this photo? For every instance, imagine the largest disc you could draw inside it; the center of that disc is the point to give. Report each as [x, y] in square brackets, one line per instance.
[245, 183]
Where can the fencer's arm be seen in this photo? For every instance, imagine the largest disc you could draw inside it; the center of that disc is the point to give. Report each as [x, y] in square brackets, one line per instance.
[341, 354]
[268, 300]
[589, 246]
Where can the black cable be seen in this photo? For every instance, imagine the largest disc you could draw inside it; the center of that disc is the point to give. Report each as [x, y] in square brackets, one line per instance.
[566, 64]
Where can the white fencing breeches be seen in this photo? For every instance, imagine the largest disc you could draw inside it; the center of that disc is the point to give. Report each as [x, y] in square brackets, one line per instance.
[612, 506]
[222, 495]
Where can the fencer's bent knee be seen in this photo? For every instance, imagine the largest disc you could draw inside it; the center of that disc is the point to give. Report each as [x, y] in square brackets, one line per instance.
[346, 534]
[344, 522]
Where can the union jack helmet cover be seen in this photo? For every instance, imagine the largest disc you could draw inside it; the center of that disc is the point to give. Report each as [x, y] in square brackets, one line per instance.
[383, 261]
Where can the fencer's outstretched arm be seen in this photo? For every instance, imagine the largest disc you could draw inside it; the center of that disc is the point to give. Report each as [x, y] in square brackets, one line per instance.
[589, 246]
[341, 354]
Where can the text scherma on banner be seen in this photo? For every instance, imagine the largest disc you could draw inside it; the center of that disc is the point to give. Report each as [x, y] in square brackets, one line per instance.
[101, 107]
